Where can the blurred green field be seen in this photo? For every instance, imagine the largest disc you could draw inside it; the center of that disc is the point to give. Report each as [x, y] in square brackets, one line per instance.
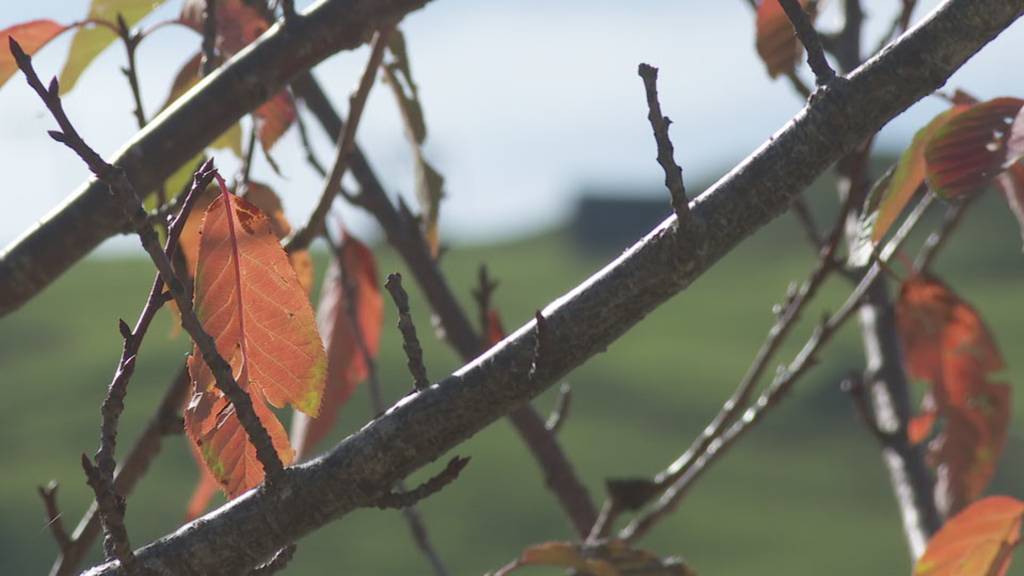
[804, 494]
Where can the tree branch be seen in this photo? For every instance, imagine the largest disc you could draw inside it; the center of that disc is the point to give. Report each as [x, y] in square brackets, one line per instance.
[660, 124]
[425, 424]
[89, 216]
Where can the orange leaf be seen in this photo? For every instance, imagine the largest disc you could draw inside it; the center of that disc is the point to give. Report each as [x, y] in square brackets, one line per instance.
[495, 331]
[976, 542]
[776, 39]
[909, 174]
[250, 301]
[968, 151]
[946, 343]
[346, 367]
[274, 118]
[32, 36]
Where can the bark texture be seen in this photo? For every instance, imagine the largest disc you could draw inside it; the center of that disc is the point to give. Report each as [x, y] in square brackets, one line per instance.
[424, 425]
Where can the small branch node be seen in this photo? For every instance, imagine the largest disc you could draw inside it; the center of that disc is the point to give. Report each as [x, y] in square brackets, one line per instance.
[823, 72]
[279, 562]
[660, 124]
[400, 500]
[541, 345]
[410, 342]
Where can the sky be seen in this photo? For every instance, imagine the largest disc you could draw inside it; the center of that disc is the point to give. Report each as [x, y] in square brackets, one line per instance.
[529, 104]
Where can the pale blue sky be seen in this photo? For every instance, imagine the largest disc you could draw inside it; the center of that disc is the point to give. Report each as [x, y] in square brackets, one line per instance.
[527, 103]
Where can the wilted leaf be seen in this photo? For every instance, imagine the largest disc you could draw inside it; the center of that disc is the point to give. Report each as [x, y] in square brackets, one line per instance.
[429, 182]
[249, 300]
[946, 343]
[91, 40]
[273, 118]
[976, 542]
[32, 36]
[909, 174]
[965, 153]
[1011, 184]
[346, 366]
[777, 43]
[611, 558]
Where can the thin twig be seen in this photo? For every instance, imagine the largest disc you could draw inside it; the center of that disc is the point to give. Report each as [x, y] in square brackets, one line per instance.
[660, 124]
[429, 488]
[111, 508]
[209, 46]
[307, 146]
[853, 386]
[48, 494]
[823, 72]
[412, 516]
[277, 563]
[131, 42]
[410, 342]
[130, 203]
[346, 144]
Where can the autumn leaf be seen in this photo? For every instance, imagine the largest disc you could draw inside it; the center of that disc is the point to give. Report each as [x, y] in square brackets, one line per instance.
[909, 174]
[611, 558]
[346, 366]
[965, 153]
[776, 39]
[31, 36]
[273, 118]
[429, 182]
[976, 542]
[91, 40]
[945, 342]
[250, 301]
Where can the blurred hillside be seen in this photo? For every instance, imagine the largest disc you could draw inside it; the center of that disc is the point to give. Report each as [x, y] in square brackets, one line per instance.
[804, 492]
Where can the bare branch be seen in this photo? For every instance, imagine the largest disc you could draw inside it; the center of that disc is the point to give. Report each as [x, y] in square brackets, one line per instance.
[823, 73]
[89, 216]
[48, 494]
[346, 144]
[429, 488]
[660, 124]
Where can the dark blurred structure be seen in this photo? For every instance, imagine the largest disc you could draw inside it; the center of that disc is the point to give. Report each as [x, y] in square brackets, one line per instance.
[605, 223]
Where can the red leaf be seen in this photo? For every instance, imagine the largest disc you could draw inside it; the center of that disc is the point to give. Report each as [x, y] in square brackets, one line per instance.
[250, 301]
[909, 174]
[274, 118]
[346, 367]
[776, 39]
[946, 343]
[976, 542]
[32, 36]
[968, 151]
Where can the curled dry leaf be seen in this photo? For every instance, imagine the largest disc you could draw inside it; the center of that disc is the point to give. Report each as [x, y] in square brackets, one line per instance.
[777, 43]
[609, 558]
[946, 343]
[91, 40]
[346, 365]
[978, 541]
[250, 301]
[31, 36]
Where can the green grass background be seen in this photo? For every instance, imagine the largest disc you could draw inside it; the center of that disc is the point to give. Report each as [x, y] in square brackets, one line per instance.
[804, 494]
